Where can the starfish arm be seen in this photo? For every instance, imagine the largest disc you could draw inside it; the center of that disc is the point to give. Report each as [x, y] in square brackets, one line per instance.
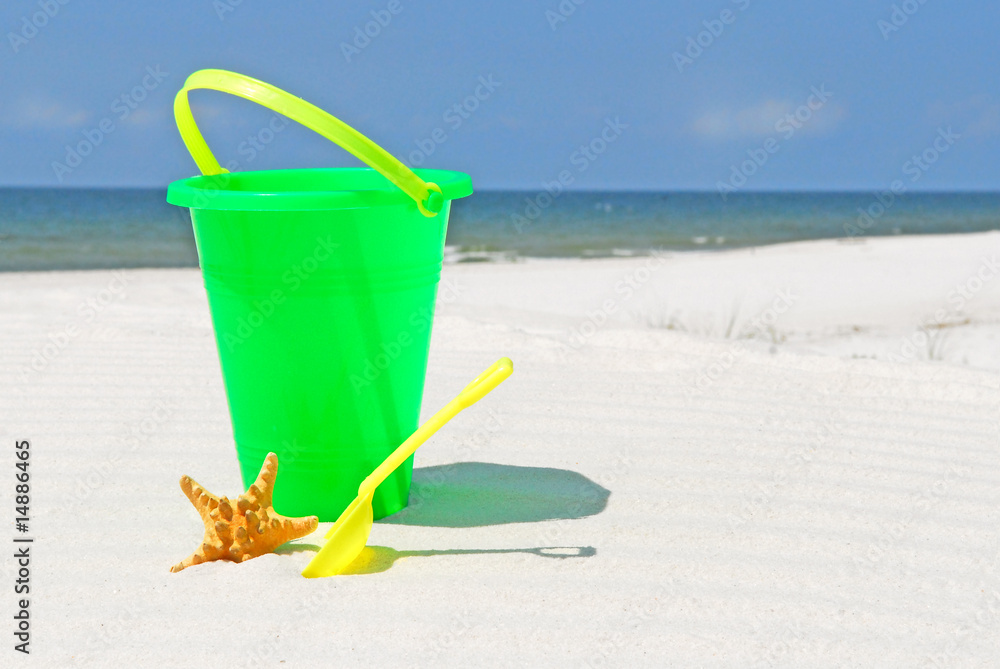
[263, 488]
[201, 499]
[189, 561]
[293, 528]
[302, 527]
[280, 530]
[208, 551]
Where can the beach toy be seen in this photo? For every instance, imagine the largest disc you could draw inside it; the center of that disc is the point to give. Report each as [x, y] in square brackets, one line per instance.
[321, 285]
[348, 536]
[246, 529]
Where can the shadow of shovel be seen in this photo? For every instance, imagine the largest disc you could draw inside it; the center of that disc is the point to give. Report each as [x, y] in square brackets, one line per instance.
[376, 559]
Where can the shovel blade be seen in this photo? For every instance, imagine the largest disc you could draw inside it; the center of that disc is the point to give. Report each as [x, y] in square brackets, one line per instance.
[345, 540]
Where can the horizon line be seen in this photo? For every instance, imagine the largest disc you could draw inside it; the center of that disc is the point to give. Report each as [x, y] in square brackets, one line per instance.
[694, 191]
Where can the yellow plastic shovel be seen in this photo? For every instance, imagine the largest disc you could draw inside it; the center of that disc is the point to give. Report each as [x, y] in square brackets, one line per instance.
[348, 536]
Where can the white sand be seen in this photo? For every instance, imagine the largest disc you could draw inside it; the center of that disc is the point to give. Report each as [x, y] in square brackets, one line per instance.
[808, 491]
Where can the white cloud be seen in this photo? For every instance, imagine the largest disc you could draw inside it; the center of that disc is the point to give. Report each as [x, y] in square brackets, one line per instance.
[207, 110]
[512, 122]
[35, 112]
[760, 119]
[976, 117]
[146, 116]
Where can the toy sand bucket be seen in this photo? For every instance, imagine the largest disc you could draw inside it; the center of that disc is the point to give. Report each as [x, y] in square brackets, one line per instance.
[321, 285]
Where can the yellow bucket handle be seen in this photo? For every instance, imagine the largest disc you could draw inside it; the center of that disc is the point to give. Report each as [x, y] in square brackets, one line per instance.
[426, 194]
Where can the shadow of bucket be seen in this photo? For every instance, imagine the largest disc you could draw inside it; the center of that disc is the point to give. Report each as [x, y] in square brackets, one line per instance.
[321, 285]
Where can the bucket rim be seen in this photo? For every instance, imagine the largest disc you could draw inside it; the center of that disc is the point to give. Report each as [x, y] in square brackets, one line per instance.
[248, 190]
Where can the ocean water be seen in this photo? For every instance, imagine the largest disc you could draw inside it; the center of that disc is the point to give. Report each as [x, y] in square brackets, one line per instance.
[51, 229]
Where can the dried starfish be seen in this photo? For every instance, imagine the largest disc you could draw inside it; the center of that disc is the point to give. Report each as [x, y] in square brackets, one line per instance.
[248, 531]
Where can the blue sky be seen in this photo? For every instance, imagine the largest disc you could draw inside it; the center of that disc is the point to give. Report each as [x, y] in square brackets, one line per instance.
[687, 114]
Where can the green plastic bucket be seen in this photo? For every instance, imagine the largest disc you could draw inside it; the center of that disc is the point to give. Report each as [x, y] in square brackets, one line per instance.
[321, 285]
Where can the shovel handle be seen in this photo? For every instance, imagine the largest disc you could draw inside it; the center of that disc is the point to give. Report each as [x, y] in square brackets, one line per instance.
[472, 393]
[485, 382]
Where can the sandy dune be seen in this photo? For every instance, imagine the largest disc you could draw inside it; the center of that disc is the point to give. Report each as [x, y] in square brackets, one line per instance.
[721, 460]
